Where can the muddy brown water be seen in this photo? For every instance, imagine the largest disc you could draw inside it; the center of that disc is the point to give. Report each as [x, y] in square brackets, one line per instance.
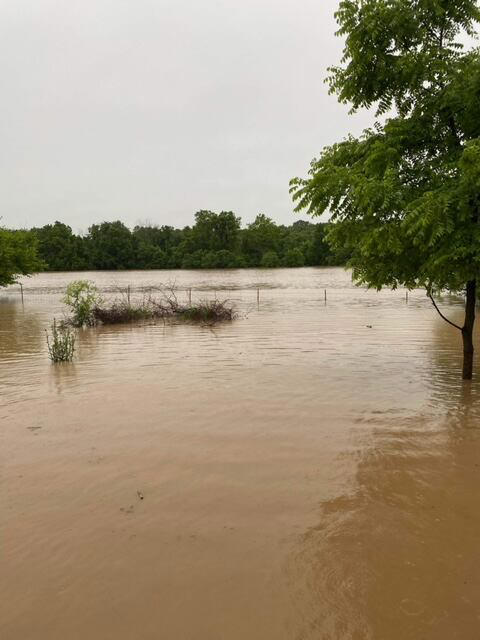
[310, 471]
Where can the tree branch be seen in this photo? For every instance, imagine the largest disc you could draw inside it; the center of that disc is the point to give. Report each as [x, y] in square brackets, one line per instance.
[441, 314]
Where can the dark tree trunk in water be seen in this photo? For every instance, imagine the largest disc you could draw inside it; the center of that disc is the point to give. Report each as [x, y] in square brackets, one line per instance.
[467, 330]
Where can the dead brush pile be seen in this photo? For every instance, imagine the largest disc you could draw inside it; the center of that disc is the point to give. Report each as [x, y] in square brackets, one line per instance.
[165, 306]
[121, 311]
[208, 311]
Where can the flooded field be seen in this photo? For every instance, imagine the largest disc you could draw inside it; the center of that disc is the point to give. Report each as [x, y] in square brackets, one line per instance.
[310, 471]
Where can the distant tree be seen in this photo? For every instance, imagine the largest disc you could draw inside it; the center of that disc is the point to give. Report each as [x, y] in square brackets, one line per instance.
[209, 260]
[165, 237]
[150, 256]
[226, 259]
[216, 241]
[297, 239]
[405, 196]
[318, 251]
[226, 231]
[111, 245]
[270, 260]
[214, 232]
[193, 260]
[294, 258]
[18, 255]
[260, 237]
[60, 249]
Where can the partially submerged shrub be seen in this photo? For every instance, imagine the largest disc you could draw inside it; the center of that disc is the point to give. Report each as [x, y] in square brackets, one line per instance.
[208, 311]
[120, 311]
[61, 344]
[82, 297]
[164, 306]
[203, 311]
[88, 309]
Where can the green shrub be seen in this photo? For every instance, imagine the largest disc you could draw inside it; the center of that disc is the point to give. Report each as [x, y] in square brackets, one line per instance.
[82, 297]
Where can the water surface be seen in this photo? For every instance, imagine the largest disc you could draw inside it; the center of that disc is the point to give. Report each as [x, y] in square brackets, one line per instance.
[309, 471]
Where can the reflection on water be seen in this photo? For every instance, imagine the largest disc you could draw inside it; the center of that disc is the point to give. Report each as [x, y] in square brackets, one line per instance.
[402, 546]
[308, 471]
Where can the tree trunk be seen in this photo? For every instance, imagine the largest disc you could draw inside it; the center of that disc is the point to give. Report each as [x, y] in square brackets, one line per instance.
[467, 330]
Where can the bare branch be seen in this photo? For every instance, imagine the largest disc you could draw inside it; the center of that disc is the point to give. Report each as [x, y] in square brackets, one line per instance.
[441, 314]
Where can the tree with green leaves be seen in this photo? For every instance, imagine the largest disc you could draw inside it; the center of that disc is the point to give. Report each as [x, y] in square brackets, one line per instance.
[18, 255]
[111, 246]
[215, 241]
[215, 231]
[261, 237]
[405, 195]
[60, 249]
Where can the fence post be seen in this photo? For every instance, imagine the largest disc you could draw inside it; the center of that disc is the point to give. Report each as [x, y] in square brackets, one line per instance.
[21, 290]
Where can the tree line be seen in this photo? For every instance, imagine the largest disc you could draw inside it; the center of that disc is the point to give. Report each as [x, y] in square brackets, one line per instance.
[215, 241]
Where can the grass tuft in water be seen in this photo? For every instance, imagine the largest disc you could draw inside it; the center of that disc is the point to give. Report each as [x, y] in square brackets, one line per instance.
[61, 343]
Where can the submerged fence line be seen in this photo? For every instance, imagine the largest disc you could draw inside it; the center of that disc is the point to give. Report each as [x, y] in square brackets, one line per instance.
[128, 289]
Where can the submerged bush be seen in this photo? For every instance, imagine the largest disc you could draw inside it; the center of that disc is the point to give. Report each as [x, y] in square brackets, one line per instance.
[164, 306]
[120, 311]
[208, 311]
[88, 309]
[82, 297]
[61, 344]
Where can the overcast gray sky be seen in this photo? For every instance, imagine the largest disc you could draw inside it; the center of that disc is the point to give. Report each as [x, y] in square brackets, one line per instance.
[153, 109]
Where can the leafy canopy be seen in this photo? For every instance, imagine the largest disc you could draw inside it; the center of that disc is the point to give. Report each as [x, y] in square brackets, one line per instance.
[82, 297]
[406, 194]
[215, 241]
[18, 255]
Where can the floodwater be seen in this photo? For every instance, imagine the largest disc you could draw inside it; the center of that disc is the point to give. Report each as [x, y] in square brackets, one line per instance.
[310, 471]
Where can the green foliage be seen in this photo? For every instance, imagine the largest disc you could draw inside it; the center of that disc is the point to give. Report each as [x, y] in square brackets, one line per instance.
[18, 255]
[215, 232]
[270, 260]
[61, 343]
[260, 237]
[293, 258]
[216, 241]
[82, 297]
[405, 195]
[193, 260]
[319, 251]
[150, 256]
[60, 248]
[111, 246]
